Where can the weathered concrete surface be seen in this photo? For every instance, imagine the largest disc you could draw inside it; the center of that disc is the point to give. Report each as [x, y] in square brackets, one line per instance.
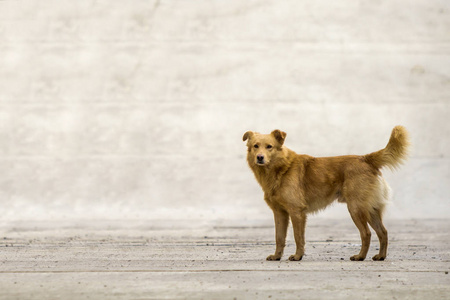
[154, 260]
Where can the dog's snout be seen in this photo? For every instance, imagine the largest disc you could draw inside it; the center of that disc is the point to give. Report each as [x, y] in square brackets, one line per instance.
[260, 157]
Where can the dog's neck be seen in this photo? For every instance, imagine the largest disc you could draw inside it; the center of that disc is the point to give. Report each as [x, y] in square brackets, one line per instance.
[269, 176]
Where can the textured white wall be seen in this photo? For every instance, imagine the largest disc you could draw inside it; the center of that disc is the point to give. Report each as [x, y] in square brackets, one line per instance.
[136, 109]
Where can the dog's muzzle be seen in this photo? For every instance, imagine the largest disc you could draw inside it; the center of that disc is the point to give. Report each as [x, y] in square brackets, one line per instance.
[260, 159]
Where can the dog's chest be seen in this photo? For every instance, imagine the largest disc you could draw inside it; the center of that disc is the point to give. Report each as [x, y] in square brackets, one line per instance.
[277, 189]
[270, 183]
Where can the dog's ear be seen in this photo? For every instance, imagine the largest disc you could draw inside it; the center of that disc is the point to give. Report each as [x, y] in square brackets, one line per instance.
[279, 136]
[247, 135]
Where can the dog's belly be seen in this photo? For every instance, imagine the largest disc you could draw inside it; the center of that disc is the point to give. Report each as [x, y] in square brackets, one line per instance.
[340, 198]
[319, 202]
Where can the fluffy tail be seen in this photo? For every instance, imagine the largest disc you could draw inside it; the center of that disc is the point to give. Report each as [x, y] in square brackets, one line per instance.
[394, 154]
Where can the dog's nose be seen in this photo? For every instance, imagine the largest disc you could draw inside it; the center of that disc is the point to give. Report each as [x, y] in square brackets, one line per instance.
[260, 157]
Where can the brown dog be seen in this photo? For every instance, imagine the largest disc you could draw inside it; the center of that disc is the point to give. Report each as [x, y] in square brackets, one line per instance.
[295, 185]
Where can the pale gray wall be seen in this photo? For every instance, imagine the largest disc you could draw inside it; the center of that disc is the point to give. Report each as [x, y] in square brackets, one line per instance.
[136, 109]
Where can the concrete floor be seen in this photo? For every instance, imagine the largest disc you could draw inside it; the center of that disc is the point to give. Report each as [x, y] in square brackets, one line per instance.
[224, 260]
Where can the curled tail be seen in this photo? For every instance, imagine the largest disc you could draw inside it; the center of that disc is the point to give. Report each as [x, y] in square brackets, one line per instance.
[395, 152]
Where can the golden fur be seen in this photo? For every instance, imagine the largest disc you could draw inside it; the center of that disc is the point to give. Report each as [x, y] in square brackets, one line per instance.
[295, 185]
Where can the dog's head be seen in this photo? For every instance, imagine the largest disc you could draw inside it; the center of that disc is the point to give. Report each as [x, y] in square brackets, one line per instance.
[264, 148]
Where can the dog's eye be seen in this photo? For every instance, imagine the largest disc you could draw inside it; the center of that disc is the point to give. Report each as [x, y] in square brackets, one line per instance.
[256, 146]
[269, 147]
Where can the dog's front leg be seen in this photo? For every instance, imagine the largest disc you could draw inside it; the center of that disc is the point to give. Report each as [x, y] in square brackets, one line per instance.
[298, 219]
[281, 218]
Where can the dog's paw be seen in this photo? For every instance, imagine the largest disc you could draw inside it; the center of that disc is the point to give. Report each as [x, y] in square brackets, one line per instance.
[357, 258]
[273, 257]
[378, 257]
[295, 257]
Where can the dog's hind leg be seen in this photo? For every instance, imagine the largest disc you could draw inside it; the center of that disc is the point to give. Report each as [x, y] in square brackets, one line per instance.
[360, 219]
[376, 223]
[376, 217]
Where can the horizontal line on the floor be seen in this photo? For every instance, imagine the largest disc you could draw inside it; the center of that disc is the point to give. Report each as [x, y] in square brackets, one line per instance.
[214, 271]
